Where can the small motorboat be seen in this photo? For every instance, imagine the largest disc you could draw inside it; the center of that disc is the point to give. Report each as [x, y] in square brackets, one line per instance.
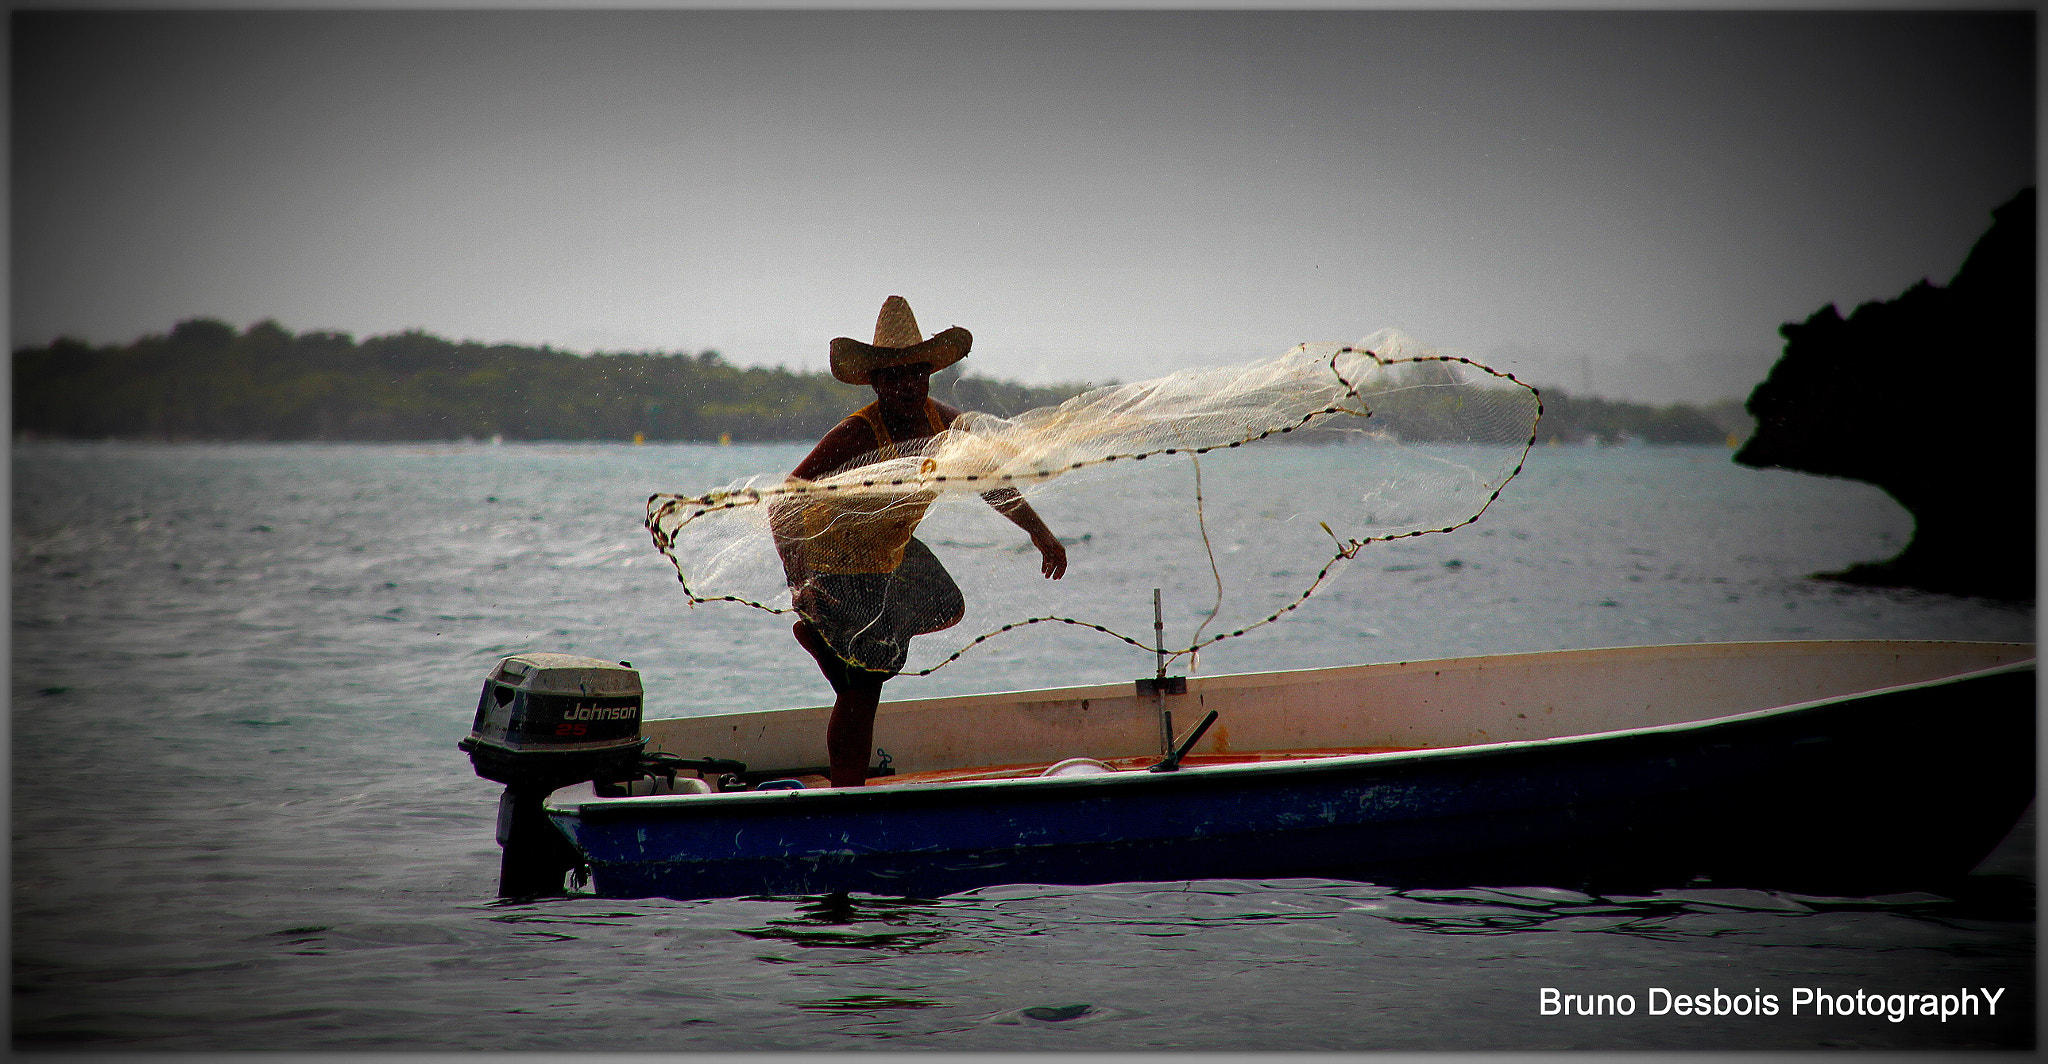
[1851, 766]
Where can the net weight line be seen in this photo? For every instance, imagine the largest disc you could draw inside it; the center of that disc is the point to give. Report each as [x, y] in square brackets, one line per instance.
[664, 505]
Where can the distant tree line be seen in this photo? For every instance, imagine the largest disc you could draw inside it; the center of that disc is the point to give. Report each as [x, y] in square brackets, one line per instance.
[205, 380]
[1571, 418]
[1417, 403]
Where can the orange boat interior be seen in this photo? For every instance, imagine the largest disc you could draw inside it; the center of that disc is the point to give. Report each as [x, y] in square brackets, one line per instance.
[1123, 764]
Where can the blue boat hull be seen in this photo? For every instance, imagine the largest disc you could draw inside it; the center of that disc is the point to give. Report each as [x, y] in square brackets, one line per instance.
[1864, 793]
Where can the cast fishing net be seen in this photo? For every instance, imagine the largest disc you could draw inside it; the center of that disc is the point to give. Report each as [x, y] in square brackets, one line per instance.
[1239, 491]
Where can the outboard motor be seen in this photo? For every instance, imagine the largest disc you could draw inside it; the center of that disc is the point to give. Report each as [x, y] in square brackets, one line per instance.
[546, 721]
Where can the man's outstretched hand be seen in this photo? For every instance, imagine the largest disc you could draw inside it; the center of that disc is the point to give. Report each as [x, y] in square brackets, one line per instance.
[1052, 555]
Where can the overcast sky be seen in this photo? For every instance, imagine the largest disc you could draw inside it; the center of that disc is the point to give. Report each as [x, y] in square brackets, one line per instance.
[1631, 201]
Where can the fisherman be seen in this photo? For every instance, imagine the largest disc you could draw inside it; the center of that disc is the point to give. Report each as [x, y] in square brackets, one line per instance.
[860, 582]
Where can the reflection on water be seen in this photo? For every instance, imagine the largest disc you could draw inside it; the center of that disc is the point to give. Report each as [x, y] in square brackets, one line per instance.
[241, 823]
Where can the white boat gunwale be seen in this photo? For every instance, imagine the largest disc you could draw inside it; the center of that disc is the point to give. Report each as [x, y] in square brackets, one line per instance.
[582, 800]
[1275, 677]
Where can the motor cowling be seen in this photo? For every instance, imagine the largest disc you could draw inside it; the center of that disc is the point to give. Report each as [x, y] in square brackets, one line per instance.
[549, 720]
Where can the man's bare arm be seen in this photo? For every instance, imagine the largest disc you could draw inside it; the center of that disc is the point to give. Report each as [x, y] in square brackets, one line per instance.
[1008, 502]
[1051, 552]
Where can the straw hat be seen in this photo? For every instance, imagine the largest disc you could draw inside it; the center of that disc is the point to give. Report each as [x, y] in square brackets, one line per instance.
[897, 343]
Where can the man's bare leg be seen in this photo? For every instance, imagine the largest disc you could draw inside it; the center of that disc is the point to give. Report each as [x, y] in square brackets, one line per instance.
[851, 731]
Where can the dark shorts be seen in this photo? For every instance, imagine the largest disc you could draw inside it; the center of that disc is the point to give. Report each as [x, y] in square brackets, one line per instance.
[871, 617]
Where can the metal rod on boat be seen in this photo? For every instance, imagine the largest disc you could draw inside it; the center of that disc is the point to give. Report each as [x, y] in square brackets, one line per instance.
[1159, 634]
[1159, 678]
[1172, 762]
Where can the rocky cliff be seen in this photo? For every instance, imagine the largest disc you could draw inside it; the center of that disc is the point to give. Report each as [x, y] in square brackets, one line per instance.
[1929, 396]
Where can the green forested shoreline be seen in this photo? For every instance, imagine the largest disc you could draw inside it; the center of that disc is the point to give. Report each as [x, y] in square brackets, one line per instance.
[205, 380]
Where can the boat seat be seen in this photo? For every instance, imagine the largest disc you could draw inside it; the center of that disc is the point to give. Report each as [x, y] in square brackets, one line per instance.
[1077, 766]
[653, 785]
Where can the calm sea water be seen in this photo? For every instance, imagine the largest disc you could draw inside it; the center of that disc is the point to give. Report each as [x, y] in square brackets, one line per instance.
[241, 823]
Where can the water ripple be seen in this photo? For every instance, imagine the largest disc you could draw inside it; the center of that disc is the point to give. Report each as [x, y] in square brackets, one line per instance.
[241, 823]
